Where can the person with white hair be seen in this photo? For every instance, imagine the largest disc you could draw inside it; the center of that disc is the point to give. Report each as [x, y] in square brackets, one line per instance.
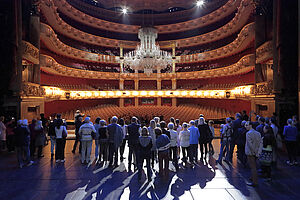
[21, 142]
[39, 138]
[85, 131]
[26, 147]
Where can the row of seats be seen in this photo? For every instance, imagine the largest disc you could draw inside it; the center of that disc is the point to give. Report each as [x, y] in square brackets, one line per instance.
[183, 112]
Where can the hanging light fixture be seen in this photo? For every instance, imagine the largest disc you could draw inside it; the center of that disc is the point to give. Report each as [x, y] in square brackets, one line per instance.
[147, 56]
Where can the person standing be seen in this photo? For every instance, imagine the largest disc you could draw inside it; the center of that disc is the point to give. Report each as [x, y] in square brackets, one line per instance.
[10, 137]
[2, 134]
[26, 143]
[253, 149]
[194, 138]
[97, 149]
[212, 130]
[133, 136]
[103, 141]
[115, 138]
[163, 145]
[78, 123]
[184, 138]
[173, 144]
[52, 135]
[290, 134]
[60, 135]
[225, 140]
[153, 137]
[260, 127]
[39, 138]
[144, 148]
[204, 137]
[241, 142]
[277, 138]
[125, 134]
[85, 132]
[33, 133]
[21, 142]
[236, 124]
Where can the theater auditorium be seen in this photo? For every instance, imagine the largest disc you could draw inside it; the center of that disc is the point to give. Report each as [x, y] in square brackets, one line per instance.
[72, 67]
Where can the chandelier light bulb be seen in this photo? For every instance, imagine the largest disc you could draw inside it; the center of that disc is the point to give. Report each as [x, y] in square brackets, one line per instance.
[124, 10]
[200, 3]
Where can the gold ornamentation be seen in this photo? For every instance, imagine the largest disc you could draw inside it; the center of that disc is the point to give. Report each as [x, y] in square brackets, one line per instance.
[30, 52]
[32, 89]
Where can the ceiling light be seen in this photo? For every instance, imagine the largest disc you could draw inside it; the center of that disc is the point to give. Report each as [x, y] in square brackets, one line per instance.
[200, 3]
[124, 10]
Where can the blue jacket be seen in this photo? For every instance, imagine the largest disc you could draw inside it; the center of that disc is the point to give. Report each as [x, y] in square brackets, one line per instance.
[290, 133]
[163, 143]
[194, 135]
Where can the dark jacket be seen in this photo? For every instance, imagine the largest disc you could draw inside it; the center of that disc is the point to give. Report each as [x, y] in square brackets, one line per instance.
[133, 134]
[102, 132]
[205, 133]
[22, 136]
[145, 145]
[166, 132]
[241, 137]
[236, 124]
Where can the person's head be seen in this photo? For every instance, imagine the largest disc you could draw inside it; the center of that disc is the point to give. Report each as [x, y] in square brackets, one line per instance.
[152, 124]
[289, 121]
[257, 117]
[171, 125]
[267, 120]
[267, 128]
[201, 115]
[244, 112]
[172, 119]
[156, 119]
[77, 111]
[243, 123]
[121, 122]
[157, 131]
[192, 123]
[261, 120]
[114, 119]
[25, 122]
[97, 121]
[134, 120]
[102, 122]
[272, 120]
[42, 115]
[2, 118]
[210, 122]
[33, 121]
[162, 124]
[177, 121]
[19, 122]
[228, 120]
[248, 125]
[238, 116]
[87, 120]
[145, 131]
[185, 125]
[196, 122]
[295, 118]
[201, 120]
[58, 116]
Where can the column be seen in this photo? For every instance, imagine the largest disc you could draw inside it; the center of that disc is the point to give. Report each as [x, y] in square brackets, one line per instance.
[173, 84]
[136, 101]
[158, 101]
[121, 84]
[121, 102]
[158, 84]
[174, 58]
[122, 59]
[174, 101]
[136, 84]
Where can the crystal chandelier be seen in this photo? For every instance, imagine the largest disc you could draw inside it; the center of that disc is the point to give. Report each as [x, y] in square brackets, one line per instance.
[147, 56]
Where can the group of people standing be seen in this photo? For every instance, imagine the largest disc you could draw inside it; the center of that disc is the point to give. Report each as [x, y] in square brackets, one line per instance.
[159, 142]
[258, 140]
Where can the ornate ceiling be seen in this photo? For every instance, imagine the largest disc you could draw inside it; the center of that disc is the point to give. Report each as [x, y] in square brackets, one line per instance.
[156, 5]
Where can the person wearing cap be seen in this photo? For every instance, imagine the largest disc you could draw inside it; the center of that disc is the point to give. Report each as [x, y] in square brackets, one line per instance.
[85, 131]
